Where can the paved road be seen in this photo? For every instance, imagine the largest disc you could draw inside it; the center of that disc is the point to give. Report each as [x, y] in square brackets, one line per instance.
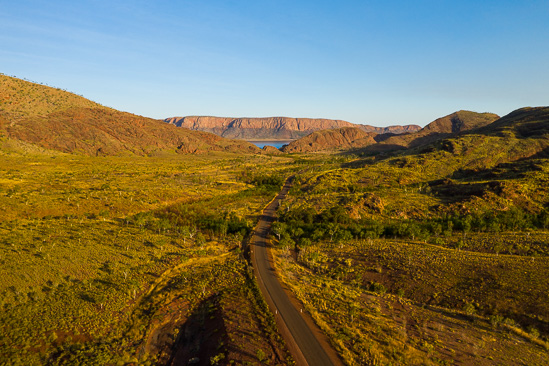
[309, 349]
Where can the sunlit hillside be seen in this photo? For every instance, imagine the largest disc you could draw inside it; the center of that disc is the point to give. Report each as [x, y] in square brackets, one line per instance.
[60, 121]
[20, 98]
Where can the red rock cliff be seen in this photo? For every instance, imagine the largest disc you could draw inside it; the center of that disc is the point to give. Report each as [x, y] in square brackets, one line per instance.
[284, 128]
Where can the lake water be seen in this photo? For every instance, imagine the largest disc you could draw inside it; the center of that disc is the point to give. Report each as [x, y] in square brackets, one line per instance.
[277, 143]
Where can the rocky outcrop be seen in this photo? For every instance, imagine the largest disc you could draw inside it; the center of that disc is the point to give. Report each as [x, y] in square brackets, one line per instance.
[271, 150]
[344, 138]
[275, 128]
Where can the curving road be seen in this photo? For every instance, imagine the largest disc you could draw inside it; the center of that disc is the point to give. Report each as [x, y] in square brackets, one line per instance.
[303, 338]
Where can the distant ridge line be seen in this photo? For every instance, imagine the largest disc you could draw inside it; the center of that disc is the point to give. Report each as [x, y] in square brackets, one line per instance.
[274, 127]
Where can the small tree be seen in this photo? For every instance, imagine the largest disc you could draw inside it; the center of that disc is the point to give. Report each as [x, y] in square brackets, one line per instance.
[286, 242]
[163, 225]
[185, 232]
[343, 236]
[279, 228]
[200, 239]
[466, 225]
[353, 311]
[332, 230]
[297, 232]
[305, 242]
[543, 219]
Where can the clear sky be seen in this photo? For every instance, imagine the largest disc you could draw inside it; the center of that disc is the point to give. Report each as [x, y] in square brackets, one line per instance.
[372, 62]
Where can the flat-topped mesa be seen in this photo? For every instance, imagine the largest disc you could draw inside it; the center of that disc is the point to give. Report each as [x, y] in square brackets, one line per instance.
[257, 128]
[396, 130]
[275, 128]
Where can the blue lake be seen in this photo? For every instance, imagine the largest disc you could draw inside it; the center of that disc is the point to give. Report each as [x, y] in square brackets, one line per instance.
[277, 143]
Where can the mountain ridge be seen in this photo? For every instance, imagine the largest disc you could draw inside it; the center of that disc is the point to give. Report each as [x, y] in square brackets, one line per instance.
[443, 127]
[276, 128]
[347, 138]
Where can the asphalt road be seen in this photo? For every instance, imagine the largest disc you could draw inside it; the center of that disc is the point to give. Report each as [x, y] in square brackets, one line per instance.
[310, 350]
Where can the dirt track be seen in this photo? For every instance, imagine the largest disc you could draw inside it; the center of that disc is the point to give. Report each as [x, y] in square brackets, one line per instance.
[305, 341]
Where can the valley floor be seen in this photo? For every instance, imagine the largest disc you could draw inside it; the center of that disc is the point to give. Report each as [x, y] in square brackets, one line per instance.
[138, 260]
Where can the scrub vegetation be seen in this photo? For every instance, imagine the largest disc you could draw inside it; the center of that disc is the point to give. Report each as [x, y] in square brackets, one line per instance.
[119, 260]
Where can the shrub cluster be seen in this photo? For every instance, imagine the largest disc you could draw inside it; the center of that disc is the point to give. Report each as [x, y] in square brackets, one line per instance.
[189, 217]
[269, 182]
[304, 225]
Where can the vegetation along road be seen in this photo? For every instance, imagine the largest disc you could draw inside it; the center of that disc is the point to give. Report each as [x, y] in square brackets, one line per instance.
[302, 336]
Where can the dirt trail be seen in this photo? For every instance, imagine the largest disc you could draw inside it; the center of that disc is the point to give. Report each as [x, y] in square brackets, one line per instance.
[308, 345]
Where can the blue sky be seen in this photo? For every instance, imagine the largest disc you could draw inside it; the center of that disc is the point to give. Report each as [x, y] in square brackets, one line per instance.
[371, 62]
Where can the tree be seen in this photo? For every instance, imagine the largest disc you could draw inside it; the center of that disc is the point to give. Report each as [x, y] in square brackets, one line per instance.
[543, 219]
[450, 228]
[200, 239]
[279, 228]
[333, 228]
[163, 225]
[466, 225]
[305, 242]
[192, 231]
[297, 232]
[286, 242]
[436, 228]
[184, 233]
[343, 236]
[317, 234]
[353, 311]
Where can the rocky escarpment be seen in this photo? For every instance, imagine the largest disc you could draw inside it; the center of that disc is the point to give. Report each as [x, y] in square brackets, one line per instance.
[344, 138]
[275, 128]
[282, 128]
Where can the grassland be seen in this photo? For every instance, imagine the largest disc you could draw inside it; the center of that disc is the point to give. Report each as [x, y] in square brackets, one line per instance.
[370, 325]
[97, 266]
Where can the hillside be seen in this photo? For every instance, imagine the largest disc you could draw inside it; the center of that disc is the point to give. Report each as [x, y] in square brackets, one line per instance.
[522, 134]
[344, 138]
[523, 123]
[453, 231]
[57, 120]
[347, 138]
[20, 98]
[276, 128]
[441, 128]
[479, 165]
